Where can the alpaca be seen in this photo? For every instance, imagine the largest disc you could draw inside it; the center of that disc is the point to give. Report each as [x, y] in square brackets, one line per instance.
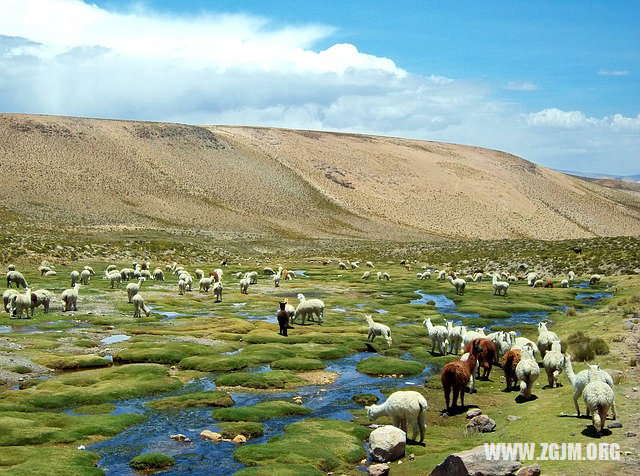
[531, 278]
[14, 276]
[472, 382]
[309, 308]
[378, 275]
[442, 275]
[217, 292]
[41, 297]
[126, 273]
[253, 277]
[204, 284]
[564, 283]
[572, 276]
[146, 274]
[548, 283]
[378, 329]
[182, 286]
[268, 271]
[499, 287]
[199, 274]
[70, 298]
[369, 264]
[138, 305]
[456, 376]
[283, 319]
[598, 398]
[85, 276]
[277, 277]
[527, 372]
[553, 363]
[485, 357]
[510, 361]
[114, 277]
[341, 265]
[459, 284]
[355, 264]
[581, 379]
[470, 335]
[366, 275]
[134, 288]
[512, 279]
[111, 267]
[456, 334]
[594, 279]
[545, 338]
[503, 345]
[520, 342]
[188, 280]
[75, 277]
[439, 337]
[50, 273]
[43, 269]
[405, 408]
[386, 276]
[538, 283]
[477, 277]
[6, 298]
[21, 302]
[244, 286]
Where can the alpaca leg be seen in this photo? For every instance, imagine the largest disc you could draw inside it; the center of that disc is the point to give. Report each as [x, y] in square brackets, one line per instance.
[576, 395]
[455, 396]
[550, 377]
[462, 397]
[447, 395]
[433, 345]
[613, 410]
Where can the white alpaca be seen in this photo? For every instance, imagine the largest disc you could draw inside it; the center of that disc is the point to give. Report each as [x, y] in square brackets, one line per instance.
[90, 269]
[307, 308]
[386, 276]
[442, 275]
[6, 298]
[182, 286]
[111, 267]
[438, 335]
[468, 277]
[114, 277]
[499, 287]
[378, 329]
[138, 305]
[378, 275]
[42, 298]
[472, 382]
[277, 277]
[572, 276]
[477, 277]
[342, 265]
[518, 343]
[268, 271]
[75, 277]
[146, 274]
[553, 363]
[244, 286]
[369, 264]
[594, 279]
[199, 274]
[43, 269]
[50, 273]
[188, 280]
[512, 279]
[126, 273]
[502, 346]
[531, 278]
[405, 408]
[468, 336]
[581, 379]
[134, 288]
[205, 283]
[456, 335]
[70, 298]
[459, 284]
[14, 276]
[21, 302]
[85, 276]
[527, 372]
[217, 292]
[545, 338]
[366, 275]
[253, 277]
[538, 283]
[564, 283]
[355, 264]
[598, 398]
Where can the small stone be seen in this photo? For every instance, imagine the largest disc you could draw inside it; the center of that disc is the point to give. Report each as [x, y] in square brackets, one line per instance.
[615, 424]
[481, 424]
[81, 447]
[363, 462]
[179, 437]
[474, 413]
[573, 433]
[400, 462]
[380, 469]
[513, 418]
[412, 457]
[630, 434]
[533, 470]
[240, 439]
[211, 436]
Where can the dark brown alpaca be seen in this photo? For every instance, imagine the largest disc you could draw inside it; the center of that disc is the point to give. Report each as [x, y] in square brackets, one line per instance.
[548, 283]
[456, 375]
[509, 363]
[485, 357]
[283, 319]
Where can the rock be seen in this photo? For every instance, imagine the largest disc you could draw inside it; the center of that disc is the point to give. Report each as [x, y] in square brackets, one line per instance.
[179, 437]
[211, 436]
[474, 462]
[630, 434]
[481, 424]
[412, 457]
[240, 439]
[513, 418]
[387, 443]
[533, 470]
[379, 469]
[81, 447]
[474, 413]
[615, 424]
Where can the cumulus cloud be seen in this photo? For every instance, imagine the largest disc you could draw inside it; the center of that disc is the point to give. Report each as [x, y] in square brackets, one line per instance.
[614, 72]
[522, 86]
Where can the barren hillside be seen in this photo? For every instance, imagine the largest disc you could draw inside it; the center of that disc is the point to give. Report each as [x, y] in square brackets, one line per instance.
[258, 182]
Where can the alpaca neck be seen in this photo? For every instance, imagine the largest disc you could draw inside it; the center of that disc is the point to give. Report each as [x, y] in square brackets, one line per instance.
[471, 362]
[568, 368]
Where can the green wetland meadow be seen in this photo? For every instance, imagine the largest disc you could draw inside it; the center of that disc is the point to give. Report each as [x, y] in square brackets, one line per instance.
[98, 391]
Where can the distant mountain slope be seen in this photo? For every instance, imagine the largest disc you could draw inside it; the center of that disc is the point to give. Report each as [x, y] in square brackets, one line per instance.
[256, 182]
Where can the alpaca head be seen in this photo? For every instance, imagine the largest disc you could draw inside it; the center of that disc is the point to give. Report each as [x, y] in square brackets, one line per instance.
[556, 346]
[427, 322]
[282, 305]
[542, 326]
[301, 297]
[480, 330]
[372, 411]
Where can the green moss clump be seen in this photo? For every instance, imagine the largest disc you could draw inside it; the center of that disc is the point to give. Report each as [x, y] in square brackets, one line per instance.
[260, 411]
[214, 363]
[95, 409]
[44, 459]
[21, 369]
[160, 352]
[250, 429]
[152, 462]
[264, 380]
[281, 470]
[389, 366]
[198, 399]
[365, 399]
[298, 363]
[72, 362]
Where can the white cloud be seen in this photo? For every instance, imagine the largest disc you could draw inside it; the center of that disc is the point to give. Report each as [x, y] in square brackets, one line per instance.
[522, 86]
[558, 118]
[614, 72]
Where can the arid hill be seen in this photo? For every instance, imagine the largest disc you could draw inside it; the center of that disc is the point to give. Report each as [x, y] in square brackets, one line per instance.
[257, 182]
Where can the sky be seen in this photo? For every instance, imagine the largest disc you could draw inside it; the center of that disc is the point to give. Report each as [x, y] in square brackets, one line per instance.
[554, 82]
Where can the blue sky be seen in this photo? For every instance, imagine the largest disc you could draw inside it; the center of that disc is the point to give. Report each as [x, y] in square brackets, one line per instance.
[554, 82]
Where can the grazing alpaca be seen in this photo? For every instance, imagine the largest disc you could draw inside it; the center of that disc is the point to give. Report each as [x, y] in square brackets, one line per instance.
[405, 408]
[244, 286]
[538, 283]
[366, 275]
[85, 276]
[114, 277]
[134, 288]
[307, 308]
[459, 284]
[531, 278]
[548, 283]
[14, 276]
[70, 298]
[527, 371]
[283, 319]
[509, 363]
[6, 298]
[456, 376]
[21, 302]
[75, 277]
[499, 287]
[138, 305]
[486, 357]
[386, 276]
[581, 379]
[378, 329]
[545, 338]
[456, 335]
[572, 276]
[41, 297]
[182, 286]
[564, 283]
[553, 363]
[438, 335]
[598, 398]
[594, 279]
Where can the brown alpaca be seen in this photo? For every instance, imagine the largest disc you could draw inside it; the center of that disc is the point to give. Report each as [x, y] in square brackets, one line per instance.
[486, 357]
[283, 319]
[509, 362]
[548, 283]
[214, 275]
[456, 375]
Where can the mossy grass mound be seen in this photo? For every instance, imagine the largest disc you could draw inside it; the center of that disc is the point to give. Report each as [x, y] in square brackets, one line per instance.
[298, 364]
[262, 381]
[47, 459]
[152, 462]
[328, 445]
[365, 399]
[281, 470]
[250, 429]
[260, 411]
[161, 352]
[389, 366]
[95, 409]
[72, 362]
[189, 400]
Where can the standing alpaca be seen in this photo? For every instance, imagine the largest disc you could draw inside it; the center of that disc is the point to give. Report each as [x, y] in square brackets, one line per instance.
[579, 381]
[598, 398]
[70, 298]
[594, 279]
[468, 336]
[85, 276]
[277, 277]
[545, 338]
[527, 372]
[378, 275]
[252, 276]
[244, 286]
[438, 335]
[531, 278]
[456, 376]
[509, 363]
[75, 277]
[158, 274]
[572, 276]
[21, 302]
[307, 308]
[138, 305]
[204, 284]
[182, 286]
[553, 362]
[134, 288]
[459, 284]
[199, 274]
[283, 319]
[14, 276]
[499, 287]
[377, 329]
[485, 357]
[41, 297]
[6, 298]
[217, 292]
[405, 408]
[456, 335]
[114, 277]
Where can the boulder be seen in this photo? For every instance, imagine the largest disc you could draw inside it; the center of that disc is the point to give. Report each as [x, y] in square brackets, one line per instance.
[474, 412]
[480, 424]
[179, 437]
[240, 439]
[387, 443]
[211, 436]
[474, 462]
[379, 469]
[533, 470]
